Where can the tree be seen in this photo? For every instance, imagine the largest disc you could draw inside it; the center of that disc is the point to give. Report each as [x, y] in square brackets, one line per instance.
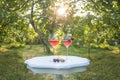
[40, 33]
[107, 16]
[11, 25]
[104, 20]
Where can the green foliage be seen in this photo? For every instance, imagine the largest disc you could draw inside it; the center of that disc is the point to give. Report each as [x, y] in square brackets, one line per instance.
[13, 24]
[96, 28]
[16, 45]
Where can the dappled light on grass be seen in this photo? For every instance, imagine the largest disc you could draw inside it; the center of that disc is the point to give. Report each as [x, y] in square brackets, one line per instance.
[33, 51]
[116, 50]
[3, 49]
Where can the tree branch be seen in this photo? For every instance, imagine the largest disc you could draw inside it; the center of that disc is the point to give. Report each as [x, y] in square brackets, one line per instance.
[40, 34]
[32, 21]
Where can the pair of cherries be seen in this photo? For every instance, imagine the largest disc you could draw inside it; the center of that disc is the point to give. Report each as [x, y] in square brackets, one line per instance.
[71, 39]
[58, 60]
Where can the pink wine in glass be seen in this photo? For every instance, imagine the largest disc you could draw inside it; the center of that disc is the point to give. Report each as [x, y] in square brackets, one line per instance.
[67, 43]
[53, 43]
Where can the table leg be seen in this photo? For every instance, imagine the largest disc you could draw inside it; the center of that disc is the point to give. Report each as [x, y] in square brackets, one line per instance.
[58, 77]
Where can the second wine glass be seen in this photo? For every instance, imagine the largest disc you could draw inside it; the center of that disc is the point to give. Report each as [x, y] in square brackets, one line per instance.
[54, 41]
[67, 41]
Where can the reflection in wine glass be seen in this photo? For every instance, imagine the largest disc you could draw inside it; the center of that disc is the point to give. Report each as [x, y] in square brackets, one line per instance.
[67, 41]
[53, 41]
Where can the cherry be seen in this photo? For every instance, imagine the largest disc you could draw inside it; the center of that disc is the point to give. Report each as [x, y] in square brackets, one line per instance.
[57, 60]
[62, 60]
[54, 60]
[72, 38]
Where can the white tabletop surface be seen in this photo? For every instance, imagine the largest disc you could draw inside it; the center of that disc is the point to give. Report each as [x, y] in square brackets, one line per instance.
[45, 64]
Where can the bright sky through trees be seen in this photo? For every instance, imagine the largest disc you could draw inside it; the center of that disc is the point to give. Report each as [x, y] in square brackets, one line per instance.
[61, 11]
[80, 9]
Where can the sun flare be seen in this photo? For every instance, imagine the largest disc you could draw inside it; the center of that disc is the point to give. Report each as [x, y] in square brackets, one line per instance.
[61, 8]
[61, 11]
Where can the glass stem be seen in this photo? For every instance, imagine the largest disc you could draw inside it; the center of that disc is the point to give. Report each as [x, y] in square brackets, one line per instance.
[67, 51]
[54, 51]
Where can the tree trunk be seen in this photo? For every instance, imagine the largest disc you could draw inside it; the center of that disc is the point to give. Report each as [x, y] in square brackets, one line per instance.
[40, 34]
[89, 50]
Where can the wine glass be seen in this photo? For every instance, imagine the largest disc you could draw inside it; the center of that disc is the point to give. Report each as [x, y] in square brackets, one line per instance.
[53, 41]
[67, 41]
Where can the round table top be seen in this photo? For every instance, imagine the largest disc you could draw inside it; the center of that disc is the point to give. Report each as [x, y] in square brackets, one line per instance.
[45, 63]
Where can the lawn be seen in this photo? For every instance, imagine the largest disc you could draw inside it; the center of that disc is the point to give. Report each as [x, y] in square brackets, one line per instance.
[105, 63]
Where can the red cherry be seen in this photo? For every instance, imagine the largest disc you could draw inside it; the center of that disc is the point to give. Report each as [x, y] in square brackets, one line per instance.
[54, 60]
[72, 38]
[57, 60]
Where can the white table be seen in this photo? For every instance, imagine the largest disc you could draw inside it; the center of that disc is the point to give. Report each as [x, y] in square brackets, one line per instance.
[45, 65]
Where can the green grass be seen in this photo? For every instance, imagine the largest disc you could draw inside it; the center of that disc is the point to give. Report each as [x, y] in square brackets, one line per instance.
[105, 63]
